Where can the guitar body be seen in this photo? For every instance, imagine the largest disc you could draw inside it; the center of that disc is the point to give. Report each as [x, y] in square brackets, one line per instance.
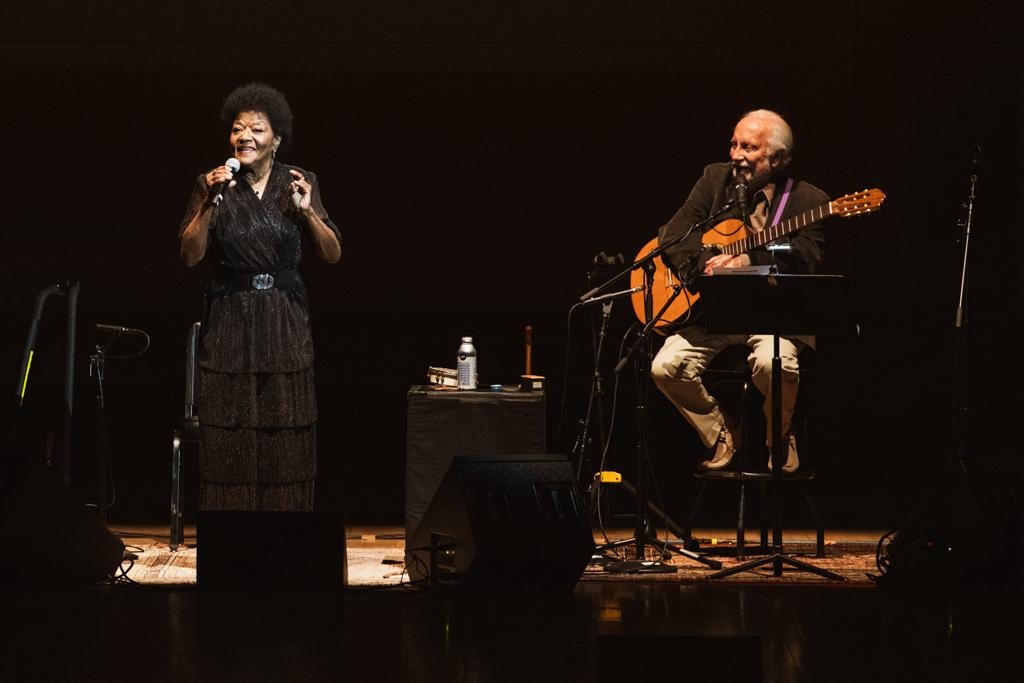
[731, 237]
[664, 282]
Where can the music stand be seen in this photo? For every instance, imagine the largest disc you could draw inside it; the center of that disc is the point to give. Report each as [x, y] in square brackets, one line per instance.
[778, 305]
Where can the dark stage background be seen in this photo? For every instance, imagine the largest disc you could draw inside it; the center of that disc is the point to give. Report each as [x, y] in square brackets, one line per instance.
[476, 161]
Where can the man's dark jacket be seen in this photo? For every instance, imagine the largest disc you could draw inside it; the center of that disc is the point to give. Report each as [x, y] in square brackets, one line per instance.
[712, 191]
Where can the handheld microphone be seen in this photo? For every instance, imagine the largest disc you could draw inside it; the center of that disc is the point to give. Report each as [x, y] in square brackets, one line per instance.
[235, 166]
[740, 190]
[117, 329]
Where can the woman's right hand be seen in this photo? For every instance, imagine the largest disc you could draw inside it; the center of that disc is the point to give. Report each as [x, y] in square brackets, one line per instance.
[214, 178]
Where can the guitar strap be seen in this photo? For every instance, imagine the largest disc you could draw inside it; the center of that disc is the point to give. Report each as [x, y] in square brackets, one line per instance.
[783, 201]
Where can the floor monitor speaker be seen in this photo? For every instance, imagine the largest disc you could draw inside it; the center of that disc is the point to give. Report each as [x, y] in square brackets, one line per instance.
[503, 522]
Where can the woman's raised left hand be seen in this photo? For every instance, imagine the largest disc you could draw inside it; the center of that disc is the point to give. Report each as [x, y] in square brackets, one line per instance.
[301, 191]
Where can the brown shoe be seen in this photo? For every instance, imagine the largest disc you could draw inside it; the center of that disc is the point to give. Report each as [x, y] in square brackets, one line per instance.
[724, 450]
[792, 458]
[735, 432]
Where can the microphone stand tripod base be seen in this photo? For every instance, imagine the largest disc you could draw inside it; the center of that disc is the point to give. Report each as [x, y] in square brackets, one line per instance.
[643, 537]
[777, 559]
[640, 567]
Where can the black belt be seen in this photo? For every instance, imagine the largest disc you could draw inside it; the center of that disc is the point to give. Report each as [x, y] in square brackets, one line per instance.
[240, 282]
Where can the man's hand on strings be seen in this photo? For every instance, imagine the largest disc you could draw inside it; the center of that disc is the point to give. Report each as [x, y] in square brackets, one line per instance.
[726, 261]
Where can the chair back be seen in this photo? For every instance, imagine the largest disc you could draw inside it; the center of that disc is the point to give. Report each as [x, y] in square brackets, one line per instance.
[191, 348]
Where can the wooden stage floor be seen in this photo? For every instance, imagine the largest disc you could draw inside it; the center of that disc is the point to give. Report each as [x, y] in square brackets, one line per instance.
[601, 630]
[376, 557]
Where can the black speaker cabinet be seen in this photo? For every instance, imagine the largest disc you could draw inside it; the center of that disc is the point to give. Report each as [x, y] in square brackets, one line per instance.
[444, 423]
[503, 522]
[286, 551]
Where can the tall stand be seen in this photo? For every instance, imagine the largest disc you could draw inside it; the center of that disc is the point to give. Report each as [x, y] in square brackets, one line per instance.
[959, 376]
[584, 441]
[775, 304]
[642, 353]
[938, 548]
[97, 368]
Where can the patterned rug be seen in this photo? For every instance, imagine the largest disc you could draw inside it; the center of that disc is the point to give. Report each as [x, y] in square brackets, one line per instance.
[373, 565]
[854, 562]
[154, 564]
[158, 565]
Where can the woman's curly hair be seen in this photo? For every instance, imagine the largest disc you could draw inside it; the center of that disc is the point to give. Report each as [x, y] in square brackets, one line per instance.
[260, 97]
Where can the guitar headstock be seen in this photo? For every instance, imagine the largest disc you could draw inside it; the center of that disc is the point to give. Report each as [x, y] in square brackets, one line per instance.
[857, 203]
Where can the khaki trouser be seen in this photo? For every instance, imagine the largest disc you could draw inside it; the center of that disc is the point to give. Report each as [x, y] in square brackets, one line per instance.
[677, 368]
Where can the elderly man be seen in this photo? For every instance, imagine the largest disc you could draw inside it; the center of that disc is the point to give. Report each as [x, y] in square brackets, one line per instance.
[759, 154]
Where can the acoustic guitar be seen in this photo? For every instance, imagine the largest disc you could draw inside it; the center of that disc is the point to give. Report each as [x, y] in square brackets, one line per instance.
[732, 237]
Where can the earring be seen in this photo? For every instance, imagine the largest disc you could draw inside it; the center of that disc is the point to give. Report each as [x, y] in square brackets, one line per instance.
[273, 153]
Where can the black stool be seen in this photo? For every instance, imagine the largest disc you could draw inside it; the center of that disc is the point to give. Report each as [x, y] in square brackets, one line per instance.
[728, 378]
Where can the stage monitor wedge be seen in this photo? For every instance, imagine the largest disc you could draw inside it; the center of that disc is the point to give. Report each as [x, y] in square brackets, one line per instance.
[503, 522]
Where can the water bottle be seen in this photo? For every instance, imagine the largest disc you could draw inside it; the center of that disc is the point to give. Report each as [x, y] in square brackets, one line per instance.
[466, 364]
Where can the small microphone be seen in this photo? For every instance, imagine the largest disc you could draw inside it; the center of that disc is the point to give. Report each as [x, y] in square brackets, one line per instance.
[740, 190]
[235, 166]
[614, 295]
[117, 329]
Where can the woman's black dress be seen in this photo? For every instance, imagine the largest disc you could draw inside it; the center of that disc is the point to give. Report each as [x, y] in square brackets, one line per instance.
[256, 400]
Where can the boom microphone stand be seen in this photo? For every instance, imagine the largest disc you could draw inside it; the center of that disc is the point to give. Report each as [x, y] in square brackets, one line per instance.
[926, 549]
[97, 369]
[585, 443]
[641, 353]
[959, 410]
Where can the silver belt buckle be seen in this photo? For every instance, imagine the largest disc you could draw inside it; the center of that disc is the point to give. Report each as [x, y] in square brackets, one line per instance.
[262, 281]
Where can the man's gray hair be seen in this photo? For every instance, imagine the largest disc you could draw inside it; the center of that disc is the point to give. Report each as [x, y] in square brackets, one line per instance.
[780, 136]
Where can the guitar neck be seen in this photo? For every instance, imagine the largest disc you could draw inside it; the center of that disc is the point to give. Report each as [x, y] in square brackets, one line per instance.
[774, 232]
